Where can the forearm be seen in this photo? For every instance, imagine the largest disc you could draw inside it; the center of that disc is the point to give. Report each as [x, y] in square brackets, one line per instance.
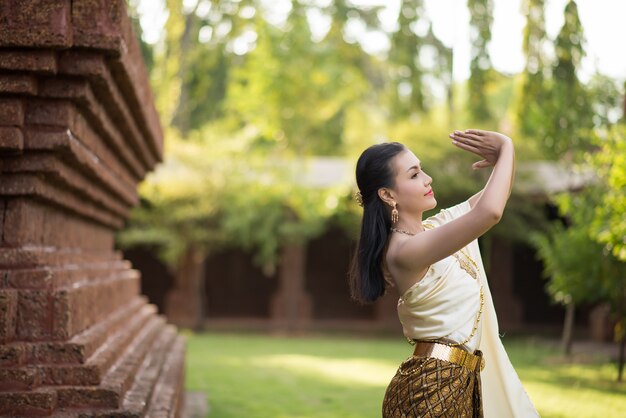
[498, 188]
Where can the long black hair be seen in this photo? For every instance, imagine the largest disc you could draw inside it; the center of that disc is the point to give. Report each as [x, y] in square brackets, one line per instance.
[373, 171]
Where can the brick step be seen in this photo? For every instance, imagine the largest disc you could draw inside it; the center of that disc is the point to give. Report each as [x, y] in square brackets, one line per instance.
[39, 402]
[155, 389]
[60, 314]
[167, 399]
[52, 277]
[119, 378]
[88, 374]
[92, 189]
[101, 360]
[143, 391]
[39, 256]
[75, 351]
[80, 307]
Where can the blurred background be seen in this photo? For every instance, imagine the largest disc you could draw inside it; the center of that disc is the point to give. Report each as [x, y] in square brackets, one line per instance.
[250, 221]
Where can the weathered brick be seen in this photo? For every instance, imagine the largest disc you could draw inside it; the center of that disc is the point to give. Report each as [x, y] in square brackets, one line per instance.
[11, 112]
[49, 112]
[115, 132]
[167, 393]
[23, 221]
[19, 378]
[12, 354]
[76, 375]
[104, 87]
[33, 403]
[79, 307]
[36, 23]
[54, 194]
[8, 314]
[34, 315]
[18, 84]
[107, 34]
[79, 144]
[11, 139]
[88, 397]
[123, 374]
[70, 310]
[34, 61]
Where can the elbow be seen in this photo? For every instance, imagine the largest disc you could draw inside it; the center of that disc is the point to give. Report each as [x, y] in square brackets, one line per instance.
[490, 215]
[494, 216]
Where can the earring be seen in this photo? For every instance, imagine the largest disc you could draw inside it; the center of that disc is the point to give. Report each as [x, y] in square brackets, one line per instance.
[394, 214]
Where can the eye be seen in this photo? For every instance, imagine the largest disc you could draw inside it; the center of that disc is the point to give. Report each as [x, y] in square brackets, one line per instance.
[414, 174]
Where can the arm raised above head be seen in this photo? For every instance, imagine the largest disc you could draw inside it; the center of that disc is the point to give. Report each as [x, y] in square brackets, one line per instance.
[487, 206]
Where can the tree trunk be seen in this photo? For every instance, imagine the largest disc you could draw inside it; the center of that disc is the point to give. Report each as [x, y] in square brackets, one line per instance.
[622, 348]
[568, 328]
[291, 306]
[185, 303]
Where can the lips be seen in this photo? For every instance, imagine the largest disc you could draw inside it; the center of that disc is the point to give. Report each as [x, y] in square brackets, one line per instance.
[430, 193]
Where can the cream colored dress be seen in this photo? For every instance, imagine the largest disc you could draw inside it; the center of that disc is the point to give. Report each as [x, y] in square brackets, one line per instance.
[445, 304]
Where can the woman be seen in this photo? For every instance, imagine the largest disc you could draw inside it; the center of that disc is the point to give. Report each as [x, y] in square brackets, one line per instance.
[445, 306]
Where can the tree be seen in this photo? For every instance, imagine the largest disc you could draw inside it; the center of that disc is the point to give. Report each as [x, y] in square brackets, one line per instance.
[295, 92]
[179, 218]
[481, 18]
[531, 107]
[573, 263]
[569, 112]
[407, 72]
[586, 261]
[610, 163]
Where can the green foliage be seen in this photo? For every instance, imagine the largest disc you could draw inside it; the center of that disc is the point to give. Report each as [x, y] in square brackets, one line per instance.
[585, 261]
[573, 262]
[609, 222]
[294, 91]
[179, 203]
[569, 111]
[407, 72]
[275, 204]
[481, 19]
[249, 101]
[409, 76]
[534, 96]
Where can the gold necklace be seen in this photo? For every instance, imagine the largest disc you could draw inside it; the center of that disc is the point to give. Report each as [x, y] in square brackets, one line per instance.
[402, 231]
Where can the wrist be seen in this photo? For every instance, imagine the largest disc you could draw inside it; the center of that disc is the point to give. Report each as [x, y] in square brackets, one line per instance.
[506, 148]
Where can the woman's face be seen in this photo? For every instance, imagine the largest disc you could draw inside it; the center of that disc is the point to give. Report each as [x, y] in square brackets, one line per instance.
[412, 190]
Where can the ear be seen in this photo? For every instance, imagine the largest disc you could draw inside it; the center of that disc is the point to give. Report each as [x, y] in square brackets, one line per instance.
[386, 195]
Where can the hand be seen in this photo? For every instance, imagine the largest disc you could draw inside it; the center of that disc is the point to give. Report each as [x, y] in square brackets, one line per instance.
[485, 144]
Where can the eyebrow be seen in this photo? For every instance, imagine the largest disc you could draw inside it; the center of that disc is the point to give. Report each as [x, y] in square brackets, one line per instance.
[415, 167]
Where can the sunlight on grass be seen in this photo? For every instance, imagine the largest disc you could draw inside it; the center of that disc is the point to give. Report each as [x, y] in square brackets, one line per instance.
[259, 376]
[346, 371]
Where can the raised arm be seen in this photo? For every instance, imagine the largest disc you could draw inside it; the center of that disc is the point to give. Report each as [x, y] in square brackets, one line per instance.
[423, 249]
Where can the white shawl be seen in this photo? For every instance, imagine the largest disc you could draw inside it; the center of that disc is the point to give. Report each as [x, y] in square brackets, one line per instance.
[503, 393]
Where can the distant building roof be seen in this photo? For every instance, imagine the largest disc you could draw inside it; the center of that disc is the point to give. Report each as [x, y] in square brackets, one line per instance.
[549, 177]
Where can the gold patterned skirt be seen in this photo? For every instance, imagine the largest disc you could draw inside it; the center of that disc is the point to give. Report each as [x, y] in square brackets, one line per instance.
[430, 387]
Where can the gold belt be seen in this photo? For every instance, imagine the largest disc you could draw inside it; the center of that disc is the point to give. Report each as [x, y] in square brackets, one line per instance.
[451, 354]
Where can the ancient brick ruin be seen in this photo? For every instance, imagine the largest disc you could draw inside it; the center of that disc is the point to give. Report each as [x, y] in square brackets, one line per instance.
[78, 131]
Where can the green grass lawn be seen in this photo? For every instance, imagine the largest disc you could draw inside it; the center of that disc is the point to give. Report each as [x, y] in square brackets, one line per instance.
[258, 376]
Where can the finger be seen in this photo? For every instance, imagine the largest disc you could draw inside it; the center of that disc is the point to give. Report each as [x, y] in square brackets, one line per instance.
[481, 164]
[472, 137]
[466, 139]
[478, 132]
[466, 147]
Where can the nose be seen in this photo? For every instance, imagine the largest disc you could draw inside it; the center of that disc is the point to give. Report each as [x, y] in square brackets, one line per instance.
[429, 180]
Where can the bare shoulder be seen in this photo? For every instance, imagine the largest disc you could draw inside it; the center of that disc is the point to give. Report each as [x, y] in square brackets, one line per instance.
[425, 248]
[404, 270]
